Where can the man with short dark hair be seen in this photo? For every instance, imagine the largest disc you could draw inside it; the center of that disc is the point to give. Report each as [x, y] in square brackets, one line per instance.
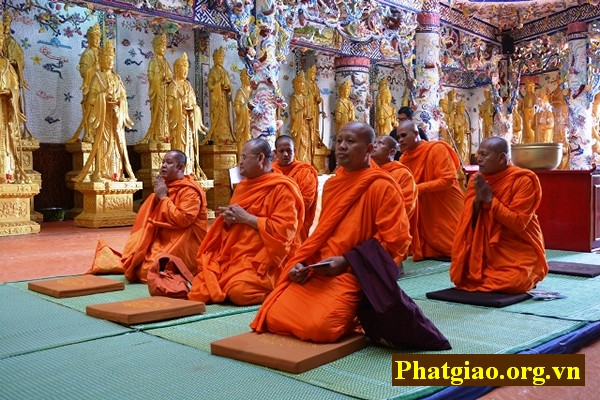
[246, 248]
[499, 245]
[359, 203]
[172, 220]
[405, 114]
[304, 174]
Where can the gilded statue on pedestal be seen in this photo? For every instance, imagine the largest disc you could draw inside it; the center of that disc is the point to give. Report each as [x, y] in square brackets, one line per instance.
[14, 53]
[185, 117]
[344, 108]
[462, 132]
[299, 120]
[108, 117]
[241, 111]
[528, 108]
[560, 109]
[385, 112]
[219, 91]
[315, 104]
[88, 65]
[486, 113]
[159, 77]
[544, 120]
[11, 166]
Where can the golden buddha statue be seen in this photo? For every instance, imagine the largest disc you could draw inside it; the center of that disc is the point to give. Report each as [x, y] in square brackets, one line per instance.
[88, 65]
[299, 120]
[185, 117]
[108, 117]
[450, 108]
[11, 166]
[242, 111]
[159, 77]
[528, 110]
[219, 90]
[462, 133]
[596, 123]
[544, 119]
[14, 53]
[344, 108]
[315, 102]
[560, 110]
[385, 113]
[486, 113]
[444, 134]
[517, 124]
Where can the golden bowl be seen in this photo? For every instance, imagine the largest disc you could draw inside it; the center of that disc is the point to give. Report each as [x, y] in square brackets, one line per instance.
[537, 155]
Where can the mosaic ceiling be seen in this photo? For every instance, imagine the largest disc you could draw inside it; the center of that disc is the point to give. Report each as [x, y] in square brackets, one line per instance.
[509, 15]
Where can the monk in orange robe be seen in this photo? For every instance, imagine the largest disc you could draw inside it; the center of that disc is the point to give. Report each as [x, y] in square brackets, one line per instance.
[499, 245]
[434, 165]
[304, 174]
[360, 202]
[172, 220]
[246, 248]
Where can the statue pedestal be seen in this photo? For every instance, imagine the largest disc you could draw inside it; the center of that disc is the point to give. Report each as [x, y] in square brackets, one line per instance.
[80, 152]
[320, 160]
[25, 148]
[206, 185]
[151, 155]
[216, 162]
[15, 203]
[106, 204]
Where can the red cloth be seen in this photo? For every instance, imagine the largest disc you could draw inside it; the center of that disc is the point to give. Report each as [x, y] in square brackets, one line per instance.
[175, 225]
[504, 252]
[434, 166]
[305, 175]
[241, 263]
[357, 206]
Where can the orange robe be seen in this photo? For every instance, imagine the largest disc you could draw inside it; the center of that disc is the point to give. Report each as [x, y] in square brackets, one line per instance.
[175, 225]
[434, 166]
[504, 251]
[305, 175]
[240, 263]
[357, 206]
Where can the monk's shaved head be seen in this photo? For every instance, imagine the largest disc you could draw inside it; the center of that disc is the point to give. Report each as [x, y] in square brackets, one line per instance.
[362, 129]
[497, 144]
[408, 125]
[261, 146]
[390, 142]
[284, 137]
[493, 155]
[179, 156]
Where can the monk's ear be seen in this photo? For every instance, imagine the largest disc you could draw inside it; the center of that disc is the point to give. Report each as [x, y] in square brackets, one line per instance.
[370, 148]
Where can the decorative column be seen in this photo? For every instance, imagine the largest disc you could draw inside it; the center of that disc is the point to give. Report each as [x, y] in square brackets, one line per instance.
[427, 71]
[25, 148]
[357, 70]
[580, 113]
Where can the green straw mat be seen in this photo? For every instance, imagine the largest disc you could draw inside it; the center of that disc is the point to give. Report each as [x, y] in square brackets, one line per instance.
[29, 324]
[140, 366]
[135, 291]
[366, 373]
[423, 268]
[572, 256]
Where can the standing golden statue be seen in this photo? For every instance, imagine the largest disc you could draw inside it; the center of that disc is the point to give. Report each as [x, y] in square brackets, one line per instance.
[185, 117]
[462, 132]
[344, 108]
[450, 108]
[528, 108]
[241, 111]
[11, 166]
[219, 90]
[385, 113]
[300, 117]
[14, 53]
[108, 117]
[560, 110]
[544, 119]
[159, 77]
[596, 123]
[88, 65]
[486, 113]
[517, 124]
[315, 104]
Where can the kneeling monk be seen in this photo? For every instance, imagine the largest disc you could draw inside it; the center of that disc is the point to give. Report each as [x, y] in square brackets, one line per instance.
[243, 253]
[499, 245]
[360, 202]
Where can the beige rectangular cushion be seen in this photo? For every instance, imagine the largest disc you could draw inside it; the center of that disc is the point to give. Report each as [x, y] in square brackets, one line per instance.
[284, 353]
[148, 309]
[76, 286]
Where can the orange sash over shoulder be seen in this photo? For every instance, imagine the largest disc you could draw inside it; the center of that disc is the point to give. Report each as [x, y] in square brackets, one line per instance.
[240, 262]
[434, 166]
[356, 207]
[175, 225]
[402, 175]
[504, 252]
[305, 175]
